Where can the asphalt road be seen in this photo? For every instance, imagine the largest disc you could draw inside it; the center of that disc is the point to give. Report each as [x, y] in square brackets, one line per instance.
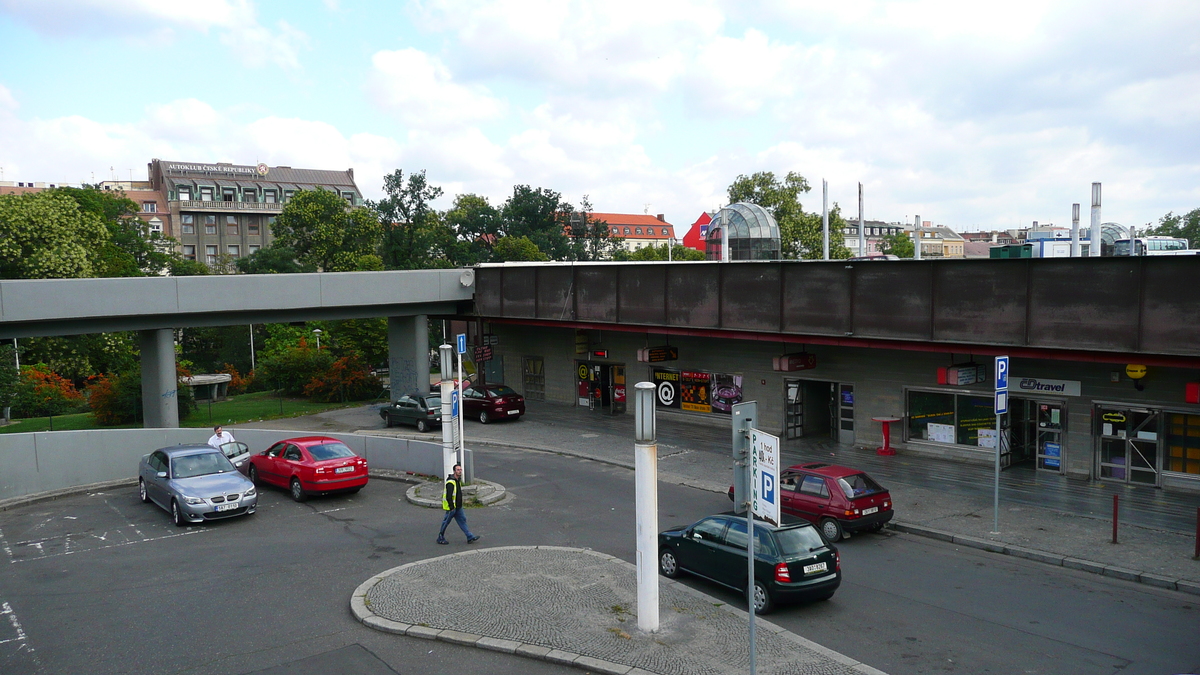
[104, 584]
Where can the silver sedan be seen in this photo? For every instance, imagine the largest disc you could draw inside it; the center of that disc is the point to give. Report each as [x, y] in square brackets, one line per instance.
[195, 483]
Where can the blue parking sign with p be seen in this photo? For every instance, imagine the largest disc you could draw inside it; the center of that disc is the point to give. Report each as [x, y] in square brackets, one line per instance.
[1001, 373]
[767, 489]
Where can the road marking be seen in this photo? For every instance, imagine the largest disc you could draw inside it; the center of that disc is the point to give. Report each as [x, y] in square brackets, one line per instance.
[329, 511]
[7, 550]
[101, 548]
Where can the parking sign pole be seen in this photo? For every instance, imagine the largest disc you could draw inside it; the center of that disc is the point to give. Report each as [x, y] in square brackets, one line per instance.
[744, 414]
[1001, 408]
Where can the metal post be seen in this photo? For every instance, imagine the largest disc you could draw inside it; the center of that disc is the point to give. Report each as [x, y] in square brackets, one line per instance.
[916, 237]
[743, 416]
[996, 487]
[1075, 231]
[862, 236]
[1094, 234]
[1115, 500]
[824, 219]
[645, 456]
[725, 257]
[461, 409]
[448, 421]
[251, 347]
[1197, 556]
[750, 584]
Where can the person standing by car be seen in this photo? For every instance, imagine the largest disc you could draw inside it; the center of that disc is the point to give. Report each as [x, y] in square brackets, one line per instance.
[452, 504]
[220, 437]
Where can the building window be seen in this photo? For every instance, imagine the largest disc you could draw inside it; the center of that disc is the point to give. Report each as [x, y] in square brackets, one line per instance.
[156, 225]
[185, 194]
[269, 196]
[948, 417]
[229, 195]
[637, 230]
[210, 254]
[252, 227]
[149, 207]
[189, 252]
[210, 224]
[348, 196]
[287, 195]
[534, 377]
[1183, 443]
[249, 196]
[189, 224]
[627, 230]
[235, 250]
[253, 248]
[231, 226]
[206, 194]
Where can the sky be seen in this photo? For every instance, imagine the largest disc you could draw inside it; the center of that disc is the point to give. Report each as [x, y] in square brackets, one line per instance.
[972, 115]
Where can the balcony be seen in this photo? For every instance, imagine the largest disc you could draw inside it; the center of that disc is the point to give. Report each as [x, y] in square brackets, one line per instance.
[208, 205]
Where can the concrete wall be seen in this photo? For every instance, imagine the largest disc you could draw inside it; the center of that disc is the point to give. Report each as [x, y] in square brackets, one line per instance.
[59, 460]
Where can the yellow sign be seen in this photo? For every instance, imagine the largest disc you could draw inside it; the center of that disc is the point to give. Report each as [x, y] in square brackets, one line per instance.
[1135, 371]
[584, 374]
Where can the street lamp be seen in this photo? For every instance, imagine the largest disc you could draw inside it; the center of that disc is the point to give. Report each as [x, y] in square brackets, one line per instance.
[317, 332]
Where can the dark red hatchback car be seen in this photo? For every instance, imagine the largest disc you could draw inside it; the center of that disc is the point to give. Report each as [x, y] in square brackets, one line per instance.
[309, 465]
[837, 498]
[492, 402]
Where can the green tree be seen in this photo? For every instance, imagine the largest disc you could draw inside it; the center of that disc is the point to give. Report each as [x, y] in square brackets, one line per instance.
[541, 216]
[517, 249]
[1186, 225]
[321, 229]
[413, 234]
[592, 238]
[130, 237]
[476, 225]
[45, 235]
[274, 259]
[10, 379]
[182, 267]
[366, 338]
[678, 252]
[800, 232]
[899, 244]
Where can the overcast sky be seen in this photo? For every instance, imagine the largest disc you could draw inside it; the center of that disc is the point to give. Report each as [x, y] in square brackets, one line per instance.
[973, 115]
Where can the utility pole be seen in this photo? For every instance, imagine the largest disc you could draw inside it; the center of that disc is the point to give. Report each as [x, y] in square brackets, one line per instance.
[645, 460]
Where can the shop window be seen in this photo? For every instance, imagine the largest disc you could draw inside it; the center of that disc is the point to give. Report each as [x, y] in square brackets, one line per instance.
[949, 418]
[925, 408]
[974, 413]
[1183, 443]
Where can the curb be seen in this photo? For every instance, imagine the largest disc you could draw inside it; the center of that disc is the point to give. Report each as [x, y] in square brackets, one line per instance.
[51, 495]
[363, 613]
[1046, 558]
[499, 495]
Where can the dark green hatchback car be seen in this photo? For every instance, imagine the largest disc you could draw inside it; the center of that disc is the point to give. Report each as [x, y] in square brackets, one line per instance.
[424, 411]
[791, 562]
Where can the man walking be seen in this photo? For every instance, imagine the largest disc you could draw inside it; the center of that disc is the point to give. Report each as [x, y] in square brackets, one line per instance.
[452, 504]
[220, 437]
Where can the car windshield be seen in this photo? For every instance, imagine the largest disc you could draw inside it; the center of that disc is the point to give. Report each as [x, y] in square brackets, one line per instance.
[329, 451]
[859, 485]
[190, 466]
[798, 540]
[500, 390]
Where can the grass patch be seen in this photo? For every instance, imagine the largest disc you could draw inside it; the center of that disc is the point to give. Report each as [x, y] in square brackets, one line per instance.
[259, 406]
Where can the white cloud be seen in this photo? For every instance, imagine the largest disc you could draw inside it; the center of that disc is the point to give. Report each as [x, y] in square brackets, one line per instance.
[235, 21]
[420, 91]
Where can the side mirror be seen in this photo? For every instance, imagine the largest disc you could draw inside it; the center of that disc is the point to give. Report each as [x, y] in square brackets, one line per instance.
[162, 474]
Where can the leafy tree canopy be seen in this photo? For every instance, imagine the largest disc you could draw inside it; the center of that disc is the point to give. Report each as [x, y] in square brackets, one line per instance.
[477, 225]
[541, 216]
[1186, 225]
[516, 249]
[800, 232]
[678, 252]
[324, 233]
[46, 235]
[133, 250]
[899, 244]
[413, 233]
[274, 259]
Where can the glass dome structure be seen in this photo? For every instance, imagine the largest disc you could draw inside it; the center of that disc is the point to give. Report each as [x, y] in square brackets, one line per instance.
[752, 232]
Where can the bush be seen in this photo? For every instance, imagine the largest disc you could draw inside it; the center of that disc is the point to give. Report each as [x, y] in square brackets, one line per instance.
[237, 383]
[293, 368]
[116, 398]
[43, 392]
[348, 379]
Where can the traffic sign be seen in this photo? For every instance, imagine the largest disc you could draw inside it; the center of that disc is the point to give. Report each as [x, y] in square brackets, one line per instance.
[490, 339]
[462, 343]
[764, 476]
[1001, 373]
[454, 403]
[1001, 402]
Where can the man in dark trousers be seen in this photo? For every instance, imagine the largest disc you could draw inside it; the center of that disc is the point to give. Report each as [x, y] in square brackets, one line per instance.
[452, 504]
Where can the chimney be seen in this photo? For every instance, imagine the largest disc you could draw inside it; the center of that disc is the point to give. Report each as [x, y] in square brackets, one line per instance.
[662, 217]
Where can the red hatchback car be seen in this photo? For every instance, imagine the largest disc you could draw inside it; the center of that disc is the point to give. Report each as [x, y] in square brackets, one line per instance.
[492, 402]
[309, 465]
[837, 498]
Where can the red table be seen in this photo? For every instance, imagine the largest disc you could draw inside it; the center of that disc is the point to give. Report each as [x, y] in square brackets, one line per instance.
[887, 434]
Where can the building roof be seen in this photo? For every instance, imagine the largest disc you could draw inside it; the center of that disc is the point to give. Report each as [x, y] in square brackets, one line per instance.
[242, 172]
[977, 249]
[695, 235]
[632, 220]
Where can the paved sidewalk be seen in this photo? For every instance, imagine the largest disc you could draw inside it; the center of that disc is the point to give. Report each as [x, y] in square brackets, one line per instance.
[579, 607]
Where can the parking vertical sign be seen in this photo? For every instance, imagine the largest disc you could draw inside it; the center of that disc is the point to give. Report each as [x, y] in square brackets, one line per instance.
[1001, 385]
[764, 476]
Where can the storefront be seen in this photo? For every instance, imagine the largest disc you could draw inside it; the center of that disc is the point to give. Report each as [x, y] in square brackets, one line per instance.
[1146, 446]
[600, 385]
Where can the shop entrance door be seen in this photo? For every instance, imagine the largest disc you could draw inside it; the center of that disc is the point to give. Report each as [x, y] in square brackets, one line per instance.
[1129, 449]
[1037, 429]
[601, 386]
[845, 414]
[816, 408]
[793, 409]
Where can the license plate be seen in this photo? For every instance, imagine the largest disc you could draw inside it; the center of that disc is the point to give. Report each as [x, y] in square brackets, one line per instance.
[343, 469]
[819, 567]
[873, 509]
[227, 507]
[514, 412]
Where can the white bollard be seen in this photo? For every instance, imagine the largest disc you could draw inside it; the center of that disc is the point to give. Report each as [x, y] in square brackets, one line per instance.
[645, 461]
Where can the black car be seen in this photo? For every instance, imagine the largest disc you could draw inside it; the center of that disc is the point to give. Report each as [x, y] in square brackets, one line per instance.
[423, 411]
[791, 562]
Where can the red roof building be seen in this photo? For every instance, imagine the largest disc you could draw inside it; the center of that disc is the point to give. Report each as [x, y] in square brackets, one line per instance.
[695, 236]
[637, 230]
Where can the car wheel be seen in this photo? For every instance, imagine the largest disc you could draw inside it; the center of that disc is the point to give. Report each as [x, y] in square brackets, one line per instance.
[422, 426]
[832, 530]
[387, 421]
[483, 417]
[877, 528]
[177, 514]
[667, 564]
[254, 474]
[297, 489]
[142, 492]
[762, 599]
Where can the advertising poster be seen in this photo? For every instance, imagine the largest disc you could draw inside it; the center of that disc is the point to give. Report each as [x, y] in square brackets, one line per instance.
[695, 390]
[666, 387]
[726, 392]
[1053, 455]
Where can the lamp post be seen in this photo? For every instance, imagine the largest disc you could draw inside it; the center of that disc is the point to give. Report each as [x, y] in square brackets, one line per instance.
[317, 332]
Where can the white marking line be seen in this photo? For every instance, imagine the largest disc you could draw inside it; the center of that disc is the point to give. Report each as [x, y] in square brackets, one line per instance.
[117, 545]
[74, 518]
[4, 541]
[128, 521]
[329, 511]
[6, 609]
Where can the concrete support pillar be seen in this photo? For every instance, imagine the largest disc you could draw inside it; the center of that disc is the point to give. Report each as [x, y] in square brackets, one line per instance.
[408, 354]
[160, 396]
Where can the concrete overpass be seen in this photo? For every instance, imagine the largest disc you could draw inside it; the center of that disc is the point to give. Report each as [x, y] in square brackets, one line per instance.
[155, 306]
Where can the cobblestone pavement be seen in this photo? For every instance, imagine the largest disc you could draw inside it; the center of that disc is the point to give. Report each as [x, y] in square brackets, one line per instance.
[579, 607]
